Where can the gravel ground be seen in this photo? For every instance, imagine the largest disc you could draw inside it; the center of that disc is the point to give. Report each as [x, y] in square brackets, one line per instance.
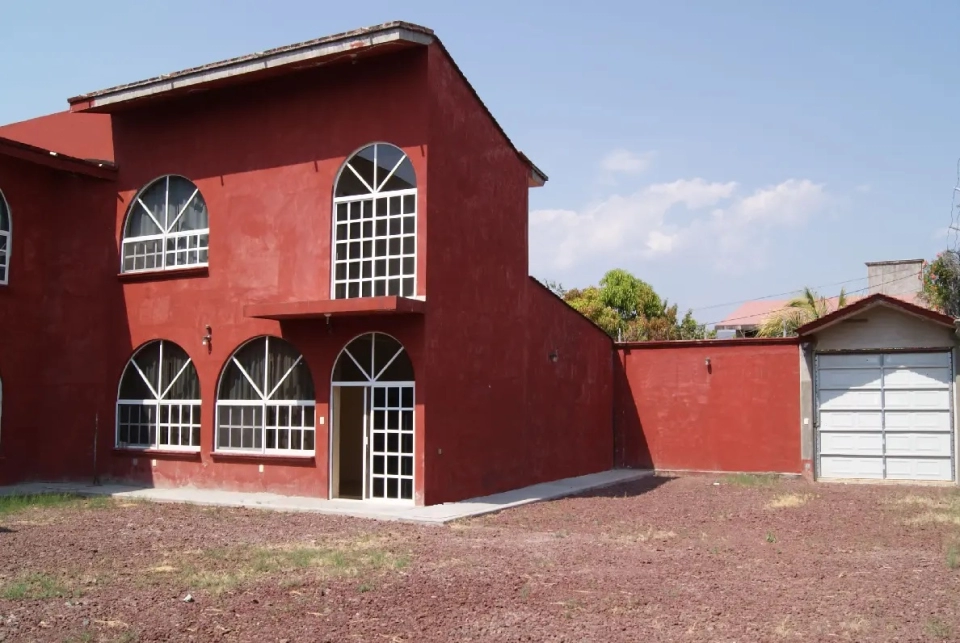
[686, 559]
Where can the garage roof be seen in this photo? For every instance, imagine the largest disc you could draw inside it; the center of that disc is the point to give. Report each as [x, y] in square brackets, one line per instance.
[871, 302]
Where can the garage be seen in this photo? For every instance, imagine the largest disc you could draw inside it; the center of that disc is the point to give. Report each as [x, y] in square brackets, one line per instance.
[885, 416]
[883, 392]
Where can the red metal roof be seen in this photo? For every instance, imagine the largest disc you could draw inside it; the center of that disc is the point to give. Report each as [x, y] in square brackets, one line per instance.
[82, 136]
[869, 302]
[55, 160]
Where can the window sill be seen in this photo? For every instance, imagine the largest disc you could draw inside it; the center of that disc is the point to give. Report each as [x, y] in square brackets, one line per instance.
[262, 458]
[190, 272]
[157, 453]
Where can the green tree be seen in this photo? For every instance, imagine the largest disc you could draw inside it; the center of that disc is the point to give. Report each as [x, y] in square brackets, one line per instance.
[941, 283]
[629, 309]
[798, 311]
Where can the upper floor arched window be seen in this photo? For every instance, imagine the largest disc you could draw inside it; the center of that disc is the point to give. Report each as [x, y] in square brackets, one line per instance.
[375, 225]
[167, 227]
[4, 240]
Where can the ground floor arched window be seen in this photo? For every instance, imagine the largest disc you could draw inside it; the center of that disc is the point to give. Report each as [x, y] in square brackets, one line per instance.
[266, 401]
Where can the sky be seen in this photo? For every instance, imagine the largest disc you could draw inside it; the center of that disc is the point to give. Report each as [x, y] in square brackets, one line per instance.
[719, 151]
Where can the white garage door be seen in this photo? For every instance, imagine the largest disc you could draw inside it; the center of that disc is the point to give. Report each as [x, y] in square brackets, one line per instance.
[885, 416]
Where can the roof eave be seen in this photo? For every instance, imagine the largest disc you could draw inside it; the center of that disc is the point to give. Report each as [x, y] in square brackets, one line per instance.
[314, 51]
[873, 301]
[57, 161]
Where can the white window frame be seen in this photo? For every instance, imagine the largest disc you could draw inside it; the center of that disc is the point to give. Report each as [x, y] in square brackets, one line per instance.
[8, 236]
[165, 235]
[263, 404]
[376, 194]
[157, 403]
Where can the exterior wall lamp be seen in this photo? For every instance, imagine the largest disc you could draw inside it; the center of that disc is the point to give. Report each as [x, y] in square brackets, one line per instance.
[554, 356]
[208, 338]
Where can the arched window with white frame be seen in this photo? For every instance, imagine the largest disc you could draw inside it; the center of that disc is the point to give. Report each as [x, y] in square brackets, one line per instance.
[167, 227]
[266, 400]
[158, 403]
[375, 225]
[5, 229]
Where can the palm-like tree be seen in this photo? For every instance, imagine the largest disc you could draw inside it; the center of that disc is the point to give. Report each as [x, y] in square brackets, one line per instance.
[799, 311]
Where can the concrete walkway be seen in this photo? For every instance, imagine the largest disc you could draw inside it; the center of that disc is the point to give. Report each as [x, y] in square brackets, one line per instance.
[433, 515]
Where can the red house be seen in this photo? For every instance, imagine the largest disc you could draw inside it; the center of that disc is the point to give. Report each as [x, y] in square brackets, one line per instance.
[301, 271]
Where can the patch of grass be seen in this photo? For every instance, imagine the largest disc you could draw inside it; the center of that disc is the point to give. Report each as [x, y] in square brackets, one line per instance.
[222, 570]
[650, 534]
[85, 636]
[752, 479]
[944, 510]
[365, 587]
[34, 587]
[953, 556]
[22, 502]
[789, 500]
[99, 502]
[771, 538]
[938, 629]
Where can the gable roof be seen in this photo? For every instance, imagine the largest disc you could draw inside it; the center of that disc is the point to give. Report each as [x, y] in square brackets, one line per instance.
[871, 302]
[389, 36]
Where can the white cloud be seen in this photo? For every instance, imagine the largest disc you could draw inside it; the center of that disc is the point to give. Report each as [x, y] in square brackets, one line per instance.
[626, 162]
[660, 220]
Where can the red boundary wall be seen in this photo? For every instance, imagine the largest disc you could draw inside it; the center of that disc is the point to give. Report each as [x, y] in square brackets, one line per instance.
[710, 405]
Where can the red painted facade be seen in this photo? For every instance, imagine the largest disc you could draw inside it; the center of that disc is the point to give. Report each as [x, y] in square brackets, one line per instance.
[740, 412]
[265, 156]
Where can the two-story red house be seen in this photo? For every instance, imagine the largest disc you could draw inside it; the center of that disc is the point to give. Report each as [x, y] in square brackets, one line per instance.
[301, 271]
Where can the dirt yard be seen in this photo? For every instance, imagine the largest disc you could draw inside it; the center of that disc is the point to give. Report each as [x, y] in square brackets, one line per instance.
[748, 559]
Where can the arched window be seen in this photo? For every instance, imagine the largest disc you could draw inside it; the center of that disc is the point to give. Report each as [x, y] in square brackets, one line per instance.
[375, 225]
[167, 227]
[4, 240]
[266, 400]
[158, 405]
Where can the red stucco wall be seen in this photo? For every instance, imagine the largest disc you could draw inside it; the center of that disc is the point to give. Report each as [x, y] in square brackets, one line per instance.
[59, 311]
[492, 418]
[266, 169]
[493, 411]
[742, 413]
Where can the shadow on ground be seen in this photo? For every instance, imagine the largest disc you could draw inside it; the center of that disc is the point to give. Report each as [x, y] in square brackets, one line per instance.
[628, 489]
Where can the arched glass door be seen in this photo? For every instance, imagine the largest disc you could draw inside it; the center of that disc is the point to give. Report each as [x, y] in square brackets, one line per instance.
[372, 450]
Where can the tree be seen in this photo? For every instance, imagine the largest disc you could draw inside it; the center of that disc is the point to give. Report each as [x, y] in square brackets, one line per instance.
[629, 309]
[940, 287]
[799, 311]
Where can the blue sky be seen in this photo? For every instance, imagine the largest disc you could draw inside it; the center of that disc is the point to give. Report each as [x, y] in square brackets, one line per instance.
[720, 151]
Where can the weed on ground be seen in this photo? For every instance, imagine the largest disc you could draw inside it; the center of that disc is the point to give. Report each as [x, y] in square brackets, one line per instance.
[752, 479]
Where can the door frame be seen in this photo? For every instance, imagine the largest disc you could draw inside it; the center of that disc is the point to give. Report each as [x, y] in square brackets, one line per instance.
[367, 402]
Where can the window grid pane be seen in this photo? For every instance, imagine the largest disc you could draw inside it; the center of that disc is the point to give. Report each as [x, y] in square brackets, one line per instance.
[271, 418]
[375, 236]
[391, 450]
[183, 237]
[169, 420]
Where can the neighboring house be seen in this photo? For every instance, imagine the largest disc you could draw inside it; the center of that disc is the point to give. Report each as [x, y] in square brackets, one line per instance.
[301, 271]
[900, 279]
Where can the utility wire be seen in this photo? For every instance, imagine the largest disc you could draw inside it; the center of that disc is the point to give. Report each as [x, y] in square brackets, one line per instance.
[779, 294]
[852, 292]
